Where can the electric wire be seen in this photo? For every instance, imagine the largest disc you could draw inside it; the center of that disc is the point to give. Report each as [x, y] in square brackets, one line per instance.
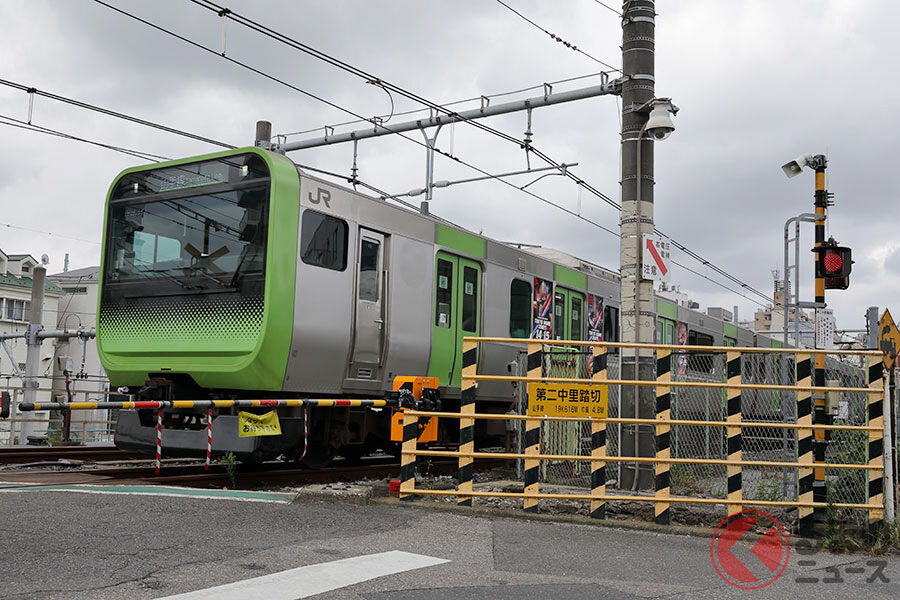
[345, 66]
[346, 110]
[18, 123]
[557, 38]
[603, 4]
[220, 10]
[368, 77]
[59, 235]
[111, 113]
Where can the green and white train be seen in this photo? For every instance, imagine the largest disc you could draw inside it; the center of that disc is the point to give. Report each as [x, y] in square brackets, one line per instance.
[236, 275]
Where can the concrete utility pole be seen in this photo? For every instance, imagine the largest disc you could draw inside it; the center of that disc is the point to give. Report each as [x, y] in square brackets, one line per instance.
[637, 310]
[33, 355]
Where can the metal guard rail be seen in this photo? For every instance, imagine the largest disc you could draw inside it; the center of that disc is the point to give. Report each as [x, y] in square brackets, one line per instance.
[734, 424]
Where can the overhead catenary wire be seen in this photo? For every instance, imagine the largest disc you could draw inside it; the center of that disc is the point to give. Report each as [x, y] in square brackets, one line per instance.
[212, 6]
[557, 38]
[59, 235]
[18, 123]
[605, 5]
[221, 11]
[112, 113]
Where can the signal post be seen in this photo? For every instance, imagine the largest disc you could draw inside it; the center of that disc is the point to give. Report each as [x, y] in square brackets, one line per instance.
[820, 415]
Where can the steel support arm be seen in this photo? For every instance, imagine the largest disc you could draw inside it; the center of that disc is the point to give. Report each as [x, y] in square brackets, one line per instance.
[486, 110]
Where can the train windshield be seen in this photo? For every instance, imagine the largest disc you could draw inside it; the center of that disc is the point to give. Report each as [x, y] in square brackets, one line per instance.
[195, 228]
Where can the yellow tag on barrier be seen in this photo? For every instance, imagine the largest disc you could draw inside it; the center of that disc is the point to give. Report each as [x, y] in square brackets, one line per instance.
[250, 425]
[567, 400]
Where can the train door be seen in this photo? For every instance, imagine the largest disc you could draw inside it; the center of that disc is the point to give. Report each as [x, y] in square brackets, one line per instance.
[368, 344]
[457, 305]
[568, 314]
[665, 331]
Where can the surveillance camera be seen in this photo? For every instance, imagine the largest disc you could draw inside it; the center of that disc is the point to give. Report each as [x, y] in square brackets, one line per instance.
[793, 168]
[659, 124]
[660, 133]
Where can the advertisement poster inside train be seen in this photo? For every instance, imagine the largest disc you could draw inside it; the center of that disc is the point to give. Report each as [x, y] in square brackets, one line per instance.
[595, 318]
[543, 309]
[681, 360]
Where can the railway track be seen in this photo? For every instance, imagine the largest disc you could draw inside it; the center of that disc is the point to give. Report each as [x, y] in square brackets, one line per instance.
[39, 454]
[246, 477]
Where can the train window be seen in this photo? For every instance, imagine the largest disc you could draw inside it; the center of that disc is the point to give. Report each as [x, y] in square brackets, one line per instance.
[730, 341]
[368, 271]
[470, 300]
[611, 324]
[698, 361]
[444, 295]
[323, 241]
[519, 309]
[576, 318]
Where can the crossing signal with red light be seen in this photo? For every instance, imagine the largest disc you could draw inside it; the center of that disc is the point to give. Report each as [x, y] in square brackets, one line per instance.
[834, 265]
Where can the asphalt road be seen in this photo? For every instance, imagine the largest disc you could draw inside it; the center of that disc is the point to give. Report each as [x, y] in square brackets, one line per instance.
[89, 546]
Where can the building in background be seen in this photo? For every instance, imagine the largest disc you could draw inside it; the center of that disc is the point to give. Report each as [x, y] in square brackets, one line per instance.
[771, 320]
[15, 306]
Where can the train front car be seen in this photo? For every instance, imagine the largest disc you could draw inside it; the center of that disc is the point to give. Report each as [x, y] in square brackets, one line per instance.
[195, 301]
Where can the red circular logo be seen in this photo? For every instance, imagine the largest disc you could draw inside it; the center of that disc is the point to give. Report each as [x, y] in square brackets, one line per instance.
[747, 565]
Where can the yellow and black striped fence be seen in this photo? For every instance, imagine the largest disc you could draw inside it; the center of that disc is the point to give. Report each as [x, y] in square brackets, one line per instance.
[734, 424]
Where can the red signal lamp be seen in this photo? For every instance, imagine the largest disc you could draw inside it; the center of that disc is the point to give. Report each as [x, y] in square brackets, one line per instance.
[834, 265]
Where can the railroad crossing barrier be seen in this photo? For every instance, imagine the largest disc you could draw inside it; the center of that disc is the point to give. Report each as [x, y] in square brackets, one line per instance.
[590, 407]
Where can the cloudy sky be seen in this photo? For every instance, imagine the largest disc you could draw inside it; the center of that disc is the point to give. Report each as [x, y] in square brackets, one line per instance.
[758, 82]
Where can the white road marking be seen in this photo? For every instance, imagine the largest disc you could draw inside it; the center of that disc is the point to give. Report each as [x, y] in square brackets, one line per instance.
[166, 491]
[315, 579]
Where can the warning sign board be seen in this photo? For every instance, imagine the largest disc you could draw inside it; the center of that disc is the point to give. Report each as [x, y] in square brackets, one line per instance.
[888, 338]
[655, 258]
[250, 425]
[567, 400]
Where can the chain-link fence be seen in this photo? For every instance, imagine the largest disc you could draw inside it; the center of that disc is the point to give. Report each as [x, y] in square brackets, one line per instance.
[573, 439]
[710, 442]
[847, 447]
[698, 441]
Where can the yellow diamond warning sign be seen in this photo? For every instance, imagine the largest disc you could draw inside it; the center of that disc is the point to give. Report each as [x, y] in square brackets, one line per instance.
[888, 338]
[567, 400]
[250, 425]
